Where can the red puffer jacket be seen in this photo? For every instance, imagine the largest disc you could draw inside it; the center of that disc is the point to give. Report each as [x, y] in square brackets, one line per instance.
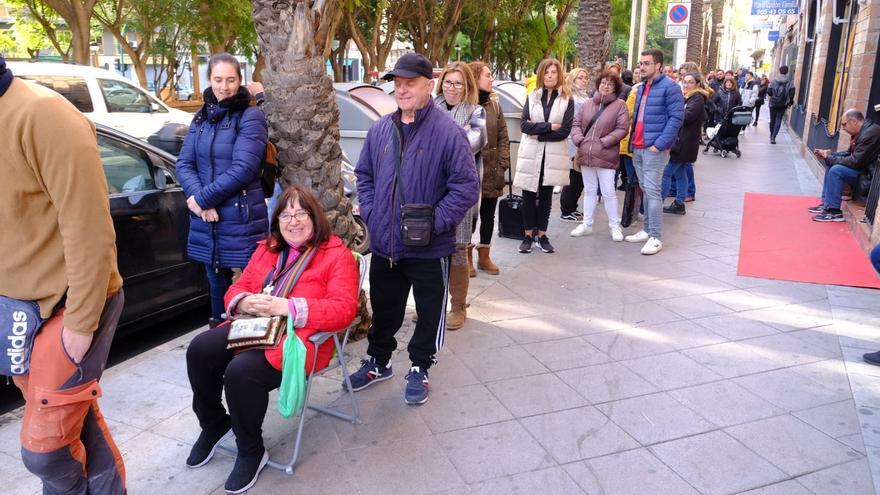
[329, 286]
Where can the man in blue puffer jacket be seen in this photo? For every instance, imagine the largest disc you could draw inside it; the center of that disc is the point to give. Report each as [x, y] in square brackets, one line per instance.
[657, 118]
[219, 169]
[437, 168]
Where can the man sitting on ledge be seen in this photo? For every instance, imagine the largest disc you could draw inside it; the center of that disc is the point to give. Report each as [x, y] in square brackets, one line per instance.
[845, 166]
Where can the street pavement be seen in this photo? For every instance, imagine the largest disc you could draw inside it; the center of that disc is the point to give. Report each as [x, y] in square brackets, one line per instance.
[594, 370]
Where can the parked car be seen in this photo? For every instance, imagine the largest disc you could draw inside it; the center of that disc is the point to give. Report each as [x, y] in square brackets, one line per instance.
[103, 96]
[152, 224]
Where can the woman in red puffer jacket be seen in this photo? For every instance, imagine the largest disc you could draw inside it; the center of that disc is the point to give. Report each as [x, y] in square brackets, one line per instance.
[325, 298]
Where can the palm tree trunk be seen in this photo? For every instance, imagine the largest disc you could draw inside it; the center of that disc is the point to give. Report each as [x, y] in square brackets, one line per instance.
[594, 36]
[695, 34]
[715, 39]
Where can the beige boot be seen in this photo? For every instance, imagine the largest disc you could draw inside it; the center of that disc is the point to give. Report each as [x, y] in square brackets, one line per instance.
[471, 271]
[484, 262]
[458, 289]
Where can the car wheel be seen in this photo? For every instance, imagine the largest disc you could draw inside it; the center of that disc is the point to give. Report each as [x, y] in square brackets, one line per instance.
[362, 239]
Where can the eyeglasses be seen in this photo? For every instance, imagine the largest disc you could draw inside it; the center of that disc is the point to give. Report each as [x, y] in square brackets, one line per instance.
[646, 62]
[299, 215]
[606, 82]
[450, 84]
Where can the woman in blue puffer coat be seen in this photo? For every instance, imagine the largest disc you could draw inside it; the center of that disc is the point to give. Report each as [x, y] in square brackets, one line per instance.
[219, 169]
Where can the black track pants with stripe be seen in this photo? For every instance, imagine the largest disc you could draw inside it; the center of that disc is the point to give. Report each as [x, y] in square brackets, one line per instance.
[389, 290]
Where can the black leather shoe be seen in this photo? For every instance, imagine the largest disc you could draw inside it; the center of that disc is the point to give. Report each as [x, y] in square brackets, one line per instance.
[245, 472]
[872, 358]
[203, 450]
[675, 208]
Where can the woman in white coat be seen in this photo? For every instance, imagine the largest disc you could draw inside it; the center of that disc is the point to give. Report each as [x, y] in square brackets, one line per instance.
[543, 160]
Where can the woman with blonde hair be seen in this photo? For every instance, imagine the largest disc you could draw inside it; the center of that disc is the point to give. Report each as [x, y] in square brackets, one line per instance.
[568, 200]
[457, 94]
[496, 162]
[543, 160]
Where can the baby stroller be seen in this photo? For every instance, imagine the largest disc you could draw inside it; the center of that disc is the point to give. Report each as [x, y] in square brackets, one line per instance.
[724, 137]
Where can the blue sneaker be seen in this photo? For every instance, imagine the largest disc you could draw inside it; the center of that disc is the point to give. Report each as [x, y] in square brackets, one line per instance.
[416, 386]
[371, 372]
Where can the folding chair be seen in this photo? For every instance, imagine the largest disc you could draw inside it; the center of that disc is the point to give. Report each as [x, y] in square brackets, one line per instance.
[341, 361]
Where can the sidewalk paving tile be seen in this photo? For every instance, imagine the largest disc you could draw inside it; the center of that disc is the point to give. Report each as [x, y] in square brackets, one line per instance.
[628, 473]
[578, 434]
[655, 418]
[13, 474]
[478, 335]
[564, 354]
[546, 393]
[792, 445]
[835, 420]
[714, 463]
[687, 334]
[554, 480]
[606, 382]
[538, 329]
[672, 370]
[383, 422]
[732, 359]
[321, 474]
[461, 408]
[411, 467]
[725, 403]
[735, 327]
[506, 362]
[491, 451]
[790, 487]
[631, 343]
[791, 389]
[869, 424]
[141, 401]
[690, 307]
[852, 478]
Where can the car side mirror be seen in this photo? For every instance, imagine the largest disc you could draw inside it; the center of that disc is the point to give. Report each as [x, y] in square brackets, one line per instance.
[160, 178]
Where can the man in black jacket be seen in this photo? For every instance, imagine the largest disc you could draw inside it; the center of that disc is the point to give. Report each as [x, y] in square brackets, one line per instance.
[846, 166]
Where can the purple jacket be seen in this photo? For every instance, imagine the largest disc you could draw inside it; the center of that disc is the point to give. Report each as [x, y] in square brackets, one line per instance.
[437, 168]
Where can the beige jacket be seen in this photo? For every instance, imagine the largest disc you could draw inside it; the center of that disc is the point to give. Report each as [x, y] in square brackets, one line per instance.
[555, 154]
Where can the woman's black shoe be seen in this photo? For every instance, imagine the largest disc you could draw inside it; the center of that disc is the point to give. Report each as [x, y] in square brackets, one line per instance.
[205, 446]
[245, 472]
[526, 246]
[675, 208]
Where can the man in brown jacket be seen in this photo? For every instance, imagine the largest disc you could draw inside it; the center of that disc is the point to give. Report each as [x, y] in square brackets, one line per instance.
[58, 249]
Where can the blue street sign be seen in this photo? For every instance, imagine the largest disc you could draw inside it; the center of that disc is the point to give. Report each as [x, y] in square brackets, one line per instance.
[775, 7]
[772, 35]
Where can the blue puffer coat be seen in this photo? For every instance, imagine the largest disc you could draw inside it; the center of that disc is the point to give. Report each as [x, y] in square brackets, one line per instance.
[664, 113]
[219, 164]
[437, 168]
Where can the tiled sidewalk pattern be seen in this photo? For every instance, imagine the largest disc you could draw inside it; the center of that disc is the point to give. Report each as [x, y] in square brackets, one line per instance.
[594, 370]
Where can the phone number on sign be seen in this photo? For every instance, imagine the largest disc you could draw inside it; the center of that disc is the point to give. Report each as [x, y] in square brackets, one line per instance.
[792, 11]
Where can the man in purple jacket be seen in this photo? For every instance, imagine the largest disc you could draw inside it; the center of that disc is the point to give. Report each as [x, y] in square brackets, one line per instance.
[437, 169]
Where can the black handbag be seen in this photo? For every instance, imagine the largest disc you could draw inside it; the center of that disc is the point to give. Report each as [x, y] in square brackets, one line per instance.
[510, 220]
[417, 219]
[631, 201]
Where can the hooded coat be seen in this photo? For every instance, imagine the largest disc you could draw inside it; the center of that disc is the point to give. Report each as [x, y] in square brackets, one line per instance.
[599, 146]
[687, 144]
[219, 165]
[724, 100]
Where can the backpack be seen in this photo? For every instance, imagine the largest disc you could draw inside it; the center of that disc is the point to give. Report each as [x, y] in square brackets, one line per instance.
[269, 170]
[779, 94]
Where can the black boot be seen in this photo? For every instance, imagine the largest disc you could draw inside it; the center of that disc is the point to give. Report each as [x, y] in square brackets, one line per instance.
[676, 208]
[245, 471]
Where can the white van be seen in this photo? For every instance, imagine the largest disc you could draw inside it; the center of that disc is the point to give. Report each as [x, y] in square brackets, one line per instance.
[103, 96]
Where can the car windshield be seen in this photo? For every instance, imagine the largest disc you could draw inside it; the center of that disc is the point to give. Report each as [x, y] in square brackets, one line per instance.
[123, 97]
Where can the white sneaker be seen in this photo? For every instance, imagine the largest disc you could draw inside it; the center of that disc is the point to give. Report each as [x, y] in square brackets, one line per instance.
[581, 230]
[616, 234]
[640, 236]
[653, 246]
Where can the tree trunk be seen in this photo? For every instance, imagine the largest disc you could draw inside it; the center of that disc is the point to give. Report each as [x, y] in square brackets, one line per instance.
[259, 65]
[715, 39]
[77, 14]
[562, 18]
[695, 34]
[594, 36]
[302, 111]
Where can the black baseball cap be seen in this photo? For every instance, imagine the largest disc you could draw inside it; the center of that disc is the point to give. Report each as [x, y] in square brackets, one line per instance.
[411, 65]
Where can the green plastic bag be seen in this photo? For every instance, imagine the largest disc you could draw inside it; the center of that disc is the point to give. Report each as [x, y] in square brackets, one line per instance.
[292, 392]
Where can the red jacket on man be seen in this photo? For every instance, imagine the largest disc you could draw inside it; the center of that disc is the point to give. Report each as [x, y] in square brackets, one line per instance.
[329, 287]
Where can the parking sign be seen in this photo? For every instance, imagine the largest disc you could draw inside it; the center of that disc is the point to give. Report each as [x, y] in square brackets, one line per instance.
[678, 16]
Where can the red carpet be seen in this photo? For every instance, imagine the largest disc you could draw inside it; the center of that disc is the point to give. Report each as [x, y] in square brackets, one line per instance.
[780, 241]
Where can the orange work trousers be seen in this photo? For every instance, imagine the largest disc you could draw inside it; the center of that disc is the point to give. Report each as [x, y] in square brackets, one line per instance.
[64, 438]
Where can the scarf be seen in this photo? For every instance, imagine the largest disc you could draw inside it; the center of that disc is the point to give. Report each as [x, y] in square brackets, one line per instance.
[460, 113]
[5, 76]
[214, 110]
[484, 97]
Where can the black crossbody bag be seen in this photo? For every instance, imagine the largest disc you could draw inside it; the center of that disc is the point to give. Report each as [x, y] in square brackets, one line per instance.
[417, 219]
